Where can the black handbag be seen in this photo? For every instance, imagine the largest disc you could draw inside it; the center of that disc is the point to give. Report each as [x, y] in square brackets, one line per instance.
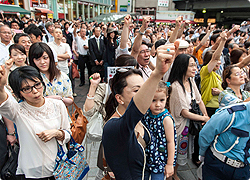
[9, 169]
[194, 126]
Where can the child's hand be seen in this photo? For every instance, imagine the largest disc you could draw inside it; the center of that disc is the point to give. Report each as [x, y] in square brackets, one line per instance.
[169, 170]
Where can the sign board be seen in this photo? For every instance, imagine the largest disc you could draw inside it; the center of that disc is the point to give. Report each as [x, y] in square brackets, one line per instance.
[163, 3]
[111, 71]
[173, 15]
[60, 8]
[50, 16]
[123, 8]
[199, 20]
[211, 20]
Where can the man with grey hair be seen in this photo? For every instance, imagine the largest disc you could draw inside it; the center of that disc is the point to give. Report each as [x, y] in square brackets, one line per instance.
[6, 36]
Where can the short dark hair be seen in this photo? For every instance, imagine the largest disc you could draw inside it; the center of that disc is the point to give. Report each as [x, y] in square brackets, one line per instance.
[160, 42]
[17, 46]
[17, 37]
[36, 51]
[14, 21]
[125, 60]
[214, 38]
[35, 31]
[202, 36]
[20, 75]
[207, 57]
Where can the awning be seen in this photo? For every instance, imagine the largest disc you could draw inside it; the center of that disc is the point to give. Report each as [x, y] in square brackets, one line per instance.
[170, 21]
[13, 9]
[43, 10]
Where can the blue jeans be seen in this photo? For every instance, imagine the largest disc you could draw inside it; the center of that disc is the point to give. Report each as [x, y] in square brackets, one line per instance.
[154, 176]
[214, 169]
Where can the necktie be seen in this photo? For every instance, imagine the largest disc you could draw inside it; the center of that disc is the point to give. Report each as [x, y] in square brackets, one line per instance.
[98, 44]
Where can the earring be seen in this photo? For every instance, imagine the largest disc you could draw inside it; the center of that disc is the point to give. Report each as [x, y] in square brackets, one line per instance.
[122, 102]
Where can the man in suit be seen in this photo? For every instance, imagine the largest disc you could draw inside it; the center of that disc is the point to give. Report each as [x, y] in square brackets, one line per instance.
[97, 50]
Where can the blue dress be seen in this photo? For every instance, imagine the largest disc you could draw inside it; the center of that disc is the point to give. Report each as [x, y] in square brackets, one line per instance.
[156, 151]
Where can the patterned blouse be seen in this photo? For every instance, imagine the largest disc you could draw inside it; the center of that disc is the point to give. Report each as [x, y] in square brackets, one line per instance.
[156, 151]
[228, 97]
[59, 86]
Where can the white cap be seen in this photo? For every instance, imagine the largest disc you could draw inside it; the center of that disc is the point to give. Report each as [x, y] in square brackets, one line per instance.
[183, 44]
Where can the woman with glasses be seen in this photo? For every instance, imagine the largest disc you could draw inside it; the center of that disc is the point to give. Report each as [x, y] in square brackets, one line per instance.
[124, 136]
[58, 85]
[233, 78]
[41, 122]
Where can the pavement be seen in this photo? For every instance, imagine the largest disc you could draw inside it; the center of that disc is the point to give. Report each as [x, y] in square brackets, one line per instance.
[187, 172]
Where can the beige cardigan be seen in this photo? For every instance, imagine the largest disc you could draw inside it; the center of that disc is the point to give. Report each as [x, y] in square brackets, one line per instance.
[178, 101]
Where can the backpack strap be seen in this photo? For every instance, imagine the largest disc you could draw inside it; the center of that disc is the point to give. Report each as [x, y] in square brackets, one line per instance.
[231, 110]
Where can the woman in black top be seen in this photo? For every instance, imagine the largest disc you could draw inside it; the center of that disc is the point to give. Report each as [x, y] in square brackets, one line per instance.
[111, 45]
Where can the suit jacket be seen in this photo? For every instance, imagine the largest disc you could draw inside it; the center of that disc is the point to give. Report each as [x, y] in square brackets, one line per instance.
[94, 52]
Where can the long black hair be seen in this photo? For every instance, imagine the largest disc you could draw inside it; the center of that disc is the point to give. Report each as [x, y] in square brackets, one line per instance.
[117, 84]
[179, 69]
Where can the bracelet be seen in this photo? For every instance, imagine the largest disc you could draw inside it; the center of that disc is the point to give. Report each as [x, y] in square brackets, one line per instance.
[90, 97]
[90, 78]
[62, 99]
[12, 134]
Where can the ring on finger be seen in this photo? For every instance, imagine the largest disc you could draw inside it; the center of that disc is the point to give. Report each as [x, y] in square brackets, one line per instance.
[168, 50]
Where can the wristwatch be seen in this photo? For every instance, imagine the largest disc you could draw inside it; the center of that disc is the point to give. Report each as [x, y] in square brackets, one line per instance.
[142, 33]
[12, 134]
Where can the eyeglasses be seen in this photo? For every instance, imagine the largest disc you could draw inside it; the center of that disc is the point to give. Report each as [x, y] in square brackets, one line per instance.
[28, 89]
[144, 51]
[240, 73]
[6, 33]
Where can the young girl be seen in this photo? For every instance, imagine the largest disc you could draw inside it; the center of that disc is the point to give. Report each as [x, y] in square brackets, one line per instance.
[161, 152]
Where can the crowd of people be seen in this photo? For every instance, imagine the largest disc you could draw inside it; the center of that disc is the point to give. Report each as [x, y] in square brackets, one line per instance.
[146, 109]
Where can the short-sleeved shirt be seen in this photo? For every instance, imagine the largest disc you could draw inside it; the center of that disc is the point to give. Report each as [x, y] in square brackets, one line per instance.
[198, 55]
[225, 100]
[80, 43]
[62, 49]
[59, 86]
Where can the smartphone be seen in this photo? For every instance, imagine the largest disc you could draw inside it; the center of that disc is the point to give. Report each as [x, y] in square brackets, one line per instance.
[18, 31]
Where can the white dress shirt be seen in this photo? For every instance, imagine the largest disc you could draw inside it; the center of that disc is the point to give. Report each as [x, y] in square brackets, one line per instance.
[80, 43]
[62, 49]
[4, 52]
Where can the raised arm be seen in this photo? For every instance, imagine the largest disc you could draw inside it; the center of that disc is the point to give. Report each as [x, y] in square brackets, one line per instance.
[244, 62]
[231, 31]
[138, 39]
[125, 32]
[217, 53]
[203, 41]
[164, 61]
[173, 36]
[183, 25]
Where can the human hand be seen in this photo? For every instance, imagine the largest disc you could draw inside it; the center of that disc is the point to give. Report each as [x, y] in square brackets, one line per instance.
[215, 91]
[165, 54]
[145, 22]
[205, 118]
[9, 63]
[95, 79]
[223, 35]
[236, 27]
[47, 135]
[127, 20]
[179, 21]
[11, 139]
[3, 76]
[169, 170]
[101, 62]
[96, 63]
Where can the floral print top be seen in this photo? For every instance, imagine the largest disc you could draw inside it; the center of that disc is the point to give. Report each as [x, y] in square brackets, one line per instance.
[59, 86]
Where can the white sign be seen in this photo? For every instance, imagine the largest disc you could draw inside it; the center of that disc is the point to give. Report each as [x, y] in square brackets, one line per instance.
[60, 8]
[163, 3]
[173, 15]
[112, 70]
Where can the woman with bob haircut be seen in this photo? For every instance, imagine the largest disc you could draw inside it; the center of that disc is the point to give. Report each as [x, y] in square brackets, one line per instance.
[58, 85]
[123, 147]
[18, 57]
[181, 79]
[41, 122]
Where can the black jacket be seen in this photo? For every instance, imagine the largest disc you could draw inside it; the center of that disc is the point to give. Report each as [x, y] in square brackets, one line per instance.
[96, 54]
